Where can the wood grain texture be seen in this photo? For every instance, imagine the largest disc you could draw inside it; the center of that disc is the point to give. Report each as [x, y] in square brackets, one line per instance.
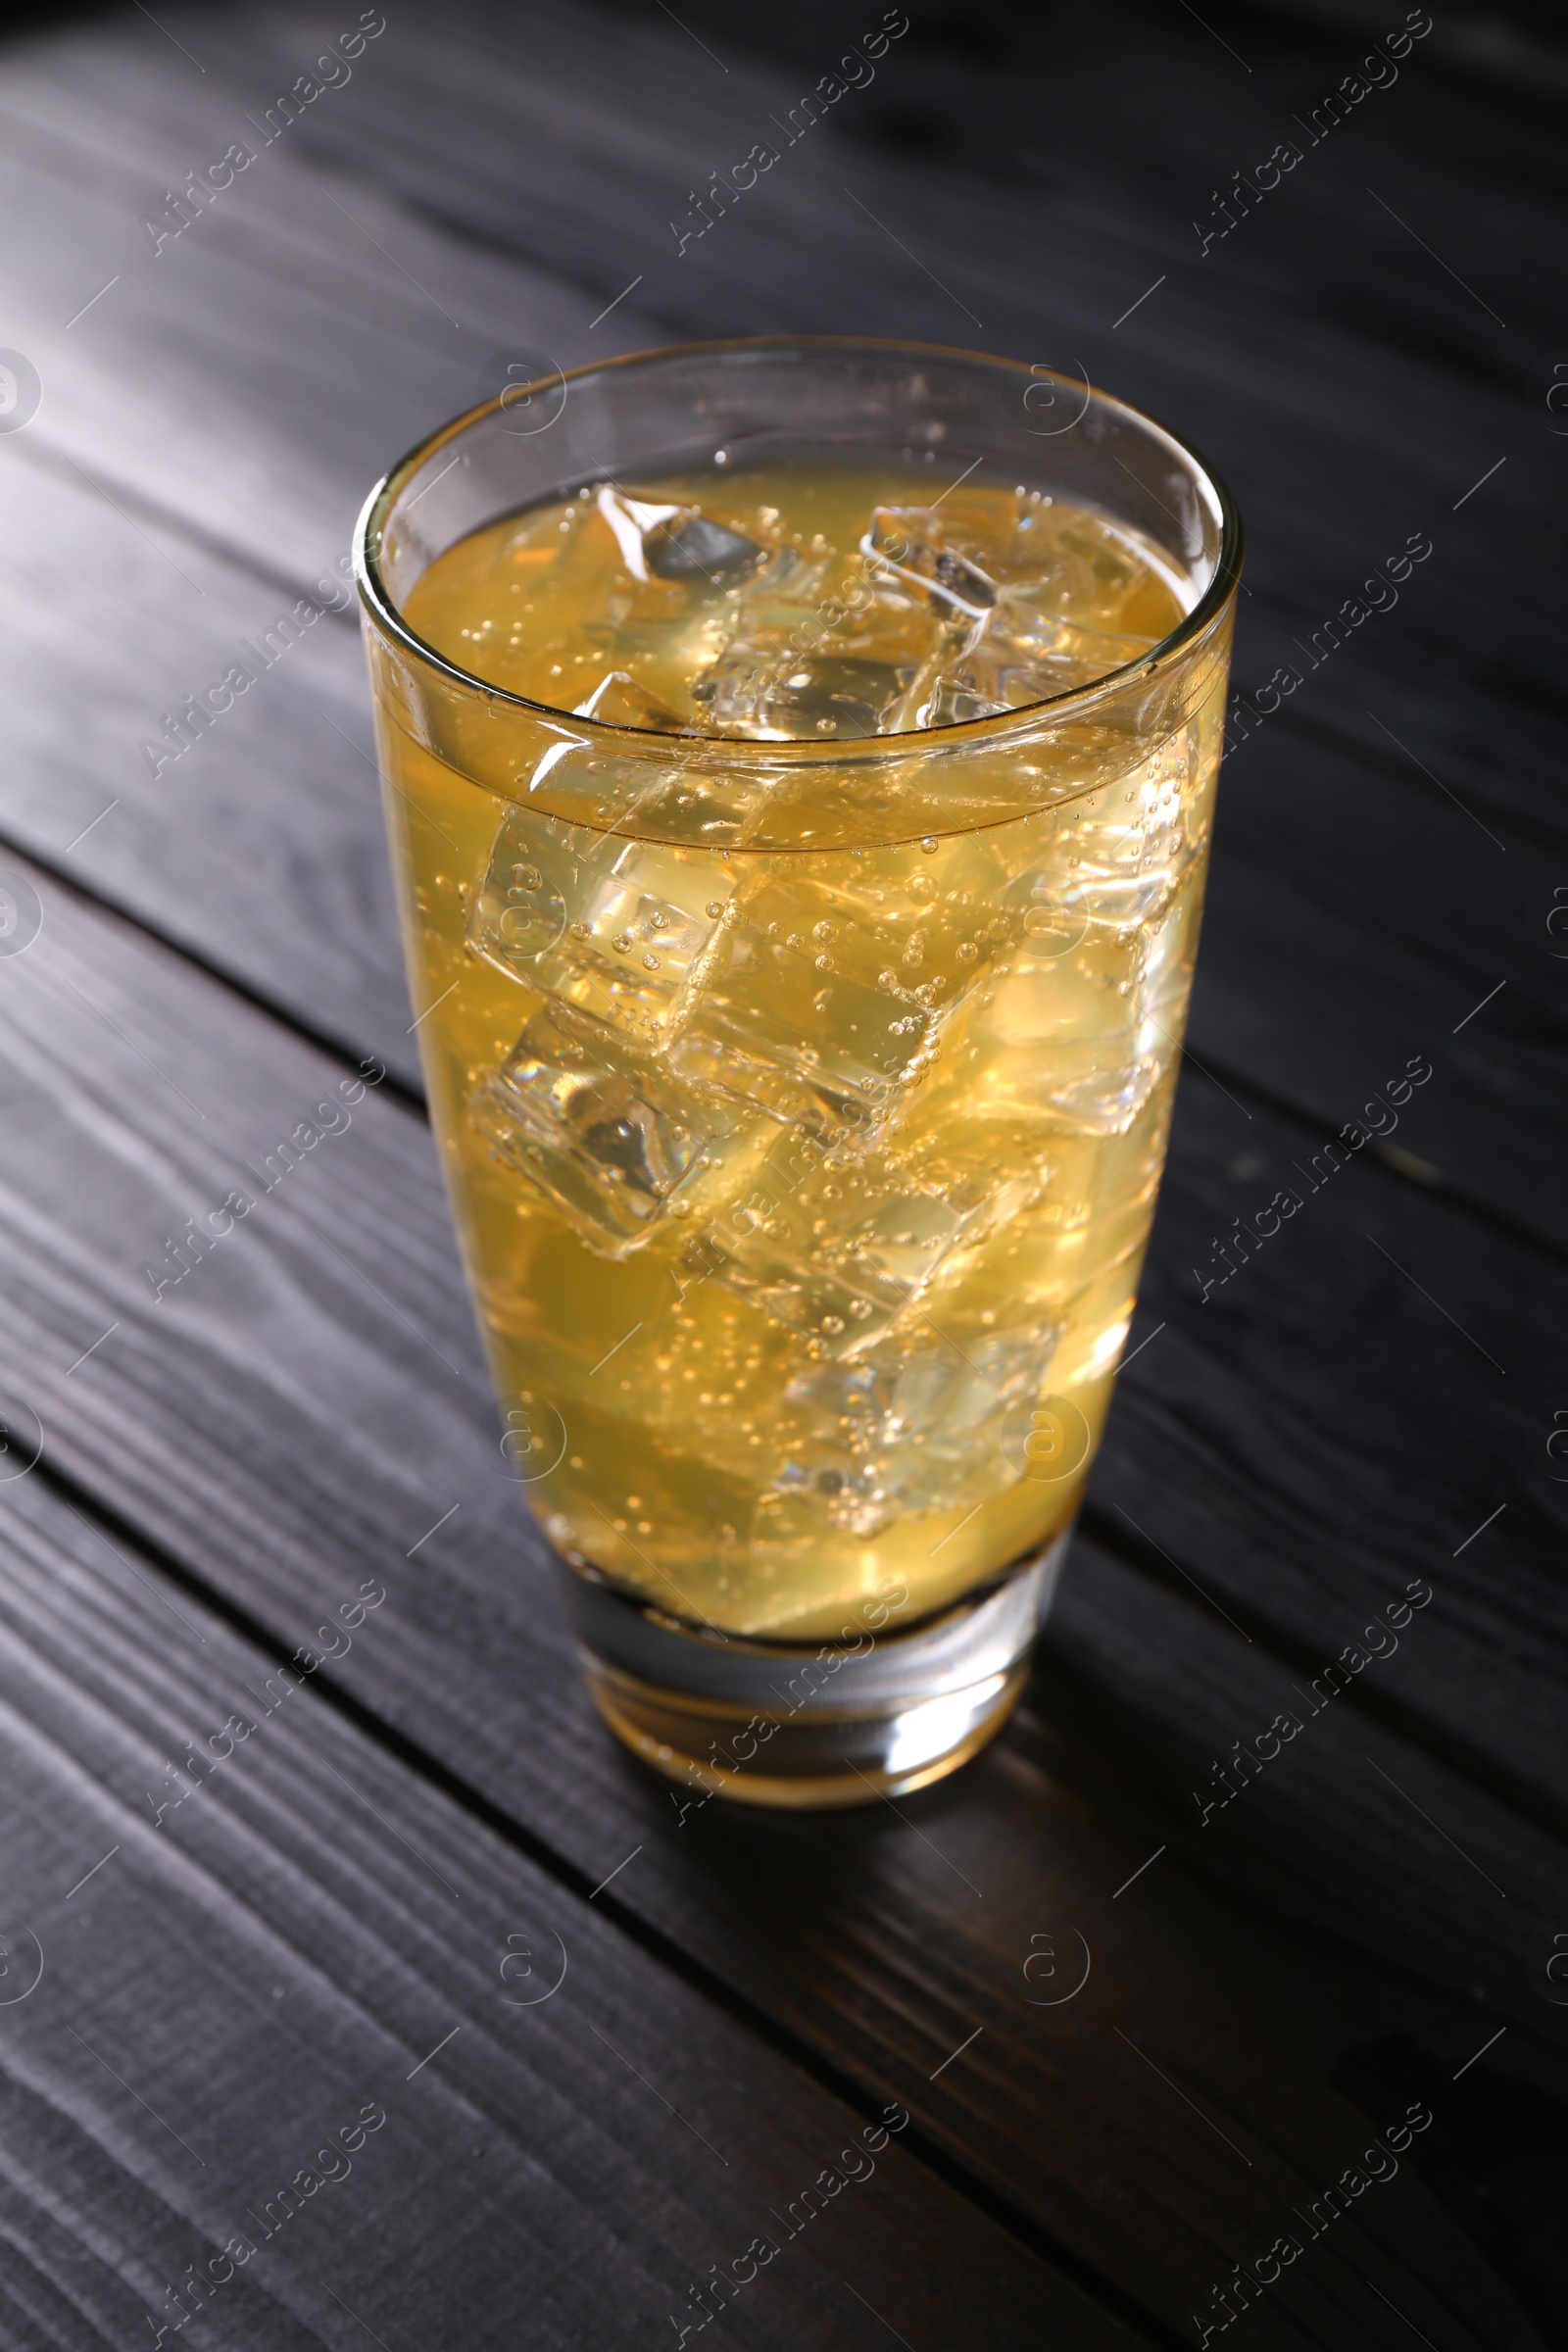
[247, 1937]
[262, 834]
[285, 1410]
[308, 1404]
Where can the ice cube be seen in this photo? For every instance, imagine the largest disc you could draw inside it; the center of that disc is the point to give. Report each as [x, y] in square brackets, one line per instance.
[1133, 842]
[665, 637]
[589, 606]
[676, 543]
[687, 796]
[614, 927]
[956, 695]
[909, 544]
[665, 612]
[608, 1136]
[916, 1425]
[620, 702]
[772, 1248]
[1082, 1033]
[712, 622]
[1023, 653]
[1084, 568]
[692, 546]
[1028, 626]
[786, 590]
[950, 1411]
[633, 521]
[518, 912]
[1041, 600]
[762, 686]
[1082, 1200]
[1074, 1019]
[826, 998]
[1028, 544]
[813, 1301]
[836, 1245]
[804, 664]
[803, 1005]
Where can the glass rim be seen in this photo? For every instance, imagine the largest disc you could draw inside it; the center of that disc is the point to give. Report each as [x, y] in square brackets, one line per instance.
[801, 751]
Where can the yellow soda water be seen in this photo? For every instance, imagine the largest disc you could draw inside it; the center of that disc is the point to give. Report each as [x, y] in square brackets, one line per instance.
[804, 1191]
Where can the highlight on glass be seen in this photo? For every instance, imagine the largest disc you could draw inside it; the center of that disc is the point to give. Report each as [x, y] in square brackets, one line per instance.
[800, 760]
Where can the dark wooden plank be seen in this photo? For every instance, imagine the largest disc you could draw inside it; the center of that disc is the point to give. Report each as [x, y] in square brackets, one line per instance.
[297, 358]
[1138, 1698]
[263, 833]
[1141, 1693]
[1311, 990]
[1343, 1832]
[1363, 1396]
[290, 1929]
[276, 1415]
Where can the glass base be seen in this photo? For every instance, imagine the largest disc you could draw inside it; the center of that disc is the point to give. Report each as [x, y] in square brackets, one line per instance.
[772, 1722]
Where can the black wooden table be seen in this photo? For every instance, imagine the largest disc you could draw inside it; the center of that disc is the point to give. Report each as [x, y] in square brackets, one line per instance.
[395, 2003]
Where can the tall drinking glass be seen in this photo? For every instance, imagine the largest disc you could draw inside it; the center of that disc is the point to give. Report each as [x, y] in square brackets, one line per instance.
[799, 760]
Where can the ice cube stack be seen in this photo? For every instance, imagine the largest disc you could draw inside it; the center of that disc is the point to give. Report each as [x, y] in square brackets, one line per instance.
[726, 1051]
[944, 619]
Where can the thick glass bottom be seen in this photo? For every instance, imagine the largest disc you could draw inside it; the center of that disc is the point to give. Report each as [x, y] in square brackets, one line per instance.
[769, 1723]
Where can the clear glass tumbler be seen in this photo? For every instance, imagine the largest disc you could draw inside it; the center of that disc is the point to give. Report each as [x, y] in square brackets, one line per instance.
[804, 1092]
